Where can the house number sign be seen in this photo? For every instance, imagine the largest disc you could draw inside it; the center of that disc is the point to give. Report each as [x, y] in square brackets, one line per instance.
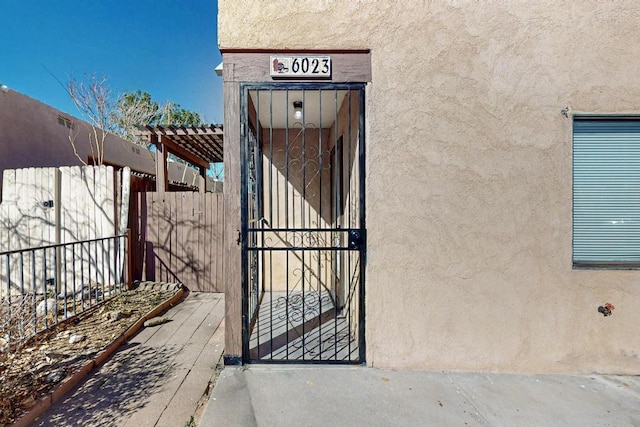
[300, 66]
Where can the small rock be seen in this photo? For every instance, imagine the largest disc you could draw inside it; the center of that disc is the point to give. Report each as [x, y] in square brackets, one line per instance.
[55, 376]
[155, 321]
[114, 315]
[55, 357]
[45, 307]
[75, 338]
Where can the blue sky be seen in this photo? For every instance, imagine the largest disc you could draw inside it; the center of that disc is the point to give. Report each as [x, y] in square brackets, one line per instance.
[165, 47]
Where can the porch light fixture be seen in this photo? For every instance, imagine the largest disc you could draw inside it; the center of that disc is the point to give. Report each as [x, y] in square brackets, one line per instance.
[297, 110]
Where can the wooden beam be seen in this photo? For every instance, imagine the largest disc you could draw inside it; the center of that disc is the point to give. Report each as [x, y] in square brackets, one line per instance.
[162, 180]
[202, 180]
[347, 66]
[174, 148]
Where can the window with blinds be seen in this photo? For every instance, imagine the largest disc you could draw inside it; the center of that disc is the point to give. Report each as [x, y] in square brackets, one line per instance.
[606, 192]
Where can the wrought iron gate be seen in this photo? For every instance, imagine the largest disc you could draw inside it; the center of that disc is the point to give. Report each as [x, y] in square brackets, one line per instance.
[303, 222]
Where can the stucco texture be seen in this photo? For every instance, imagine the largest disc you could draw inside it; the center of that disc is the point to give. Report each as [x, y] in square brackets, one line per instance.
[469, 173]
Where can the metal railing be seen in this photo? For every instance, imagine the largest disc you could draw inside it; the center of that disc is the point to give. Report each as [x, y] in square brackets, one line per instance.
[43, 286]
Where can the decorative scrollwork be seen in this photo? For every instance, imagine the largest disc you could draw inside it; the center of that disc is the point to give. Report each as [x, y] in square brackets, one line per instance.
[297, 308]
[330, 239]
[331, 341]
[299, 156]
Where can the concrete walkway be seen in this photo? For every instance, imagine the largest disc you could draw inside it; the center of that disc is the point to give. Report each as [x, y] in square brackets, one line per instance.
[358, 396]
[157, 378]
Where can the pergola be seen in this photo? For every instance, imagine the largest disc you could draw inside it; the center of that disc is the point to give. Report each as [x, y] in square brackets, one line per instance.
[198, 145]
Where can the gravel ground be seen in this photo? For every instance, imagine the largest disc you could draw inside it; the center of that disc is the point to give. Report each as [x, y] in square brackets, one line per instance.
[37, 366]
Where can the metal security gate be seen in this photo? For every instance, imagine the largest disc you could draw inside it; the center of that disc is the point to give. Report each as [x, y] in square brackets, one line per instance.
[303, 222]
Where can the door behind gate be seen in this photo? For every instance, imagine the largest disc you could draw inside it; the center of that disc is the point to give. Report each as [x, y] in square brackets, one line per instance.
[303, 223]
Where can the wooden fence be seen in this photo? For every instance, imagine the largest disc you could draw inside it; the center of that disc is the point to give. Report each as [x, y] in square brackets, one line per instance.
[177, 237]
[54, 206]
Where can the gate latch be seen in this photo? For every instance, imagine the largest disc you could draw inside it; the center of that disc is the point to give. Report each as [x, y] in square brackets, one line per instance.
[357, 239]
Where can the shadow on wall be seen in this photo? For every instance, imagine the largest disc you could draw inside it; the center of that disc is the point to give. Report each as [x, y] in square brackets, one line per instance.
[50, 206]
[178, 238]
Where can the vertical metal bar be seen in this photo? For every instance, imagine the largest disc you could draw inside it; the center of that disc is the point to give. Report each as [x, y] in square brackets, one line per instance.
[82, 281]
[303, 202]
[120, 260]
[123, 257]
[63, 276]
[100, 269]
[347, 274]
[127, 257]
[112, 256]
[319, 277]
[21, 272]
[286, 159]
[91, 291]
[349, 153]
[320, 225]
[336, 217]
[102, 257]
[110, 285]
[363, 249]
[118, 242]
[253, 200]
[73, 274]
[24, 300]
[320, 157]
[271, 156]
[55, 285]
[34, 282]
[244, 132]
[286, 306]
[286, 216]
[44, 286]
[303, 302]
[271, 326]
[8, 267]
[93, 258]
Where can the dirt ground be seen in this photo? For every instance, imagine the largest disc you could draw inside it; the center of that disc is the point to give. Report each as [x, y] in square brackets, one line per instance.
[33, 369]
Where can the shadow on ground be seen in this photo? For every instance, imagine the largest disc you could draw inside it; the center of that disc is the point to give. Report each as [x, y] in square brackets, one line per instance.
[121, 387]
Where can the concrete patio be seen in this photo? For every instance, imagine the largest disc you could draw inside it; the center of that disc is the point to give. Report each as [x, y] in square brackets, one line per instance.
[316, 395]
[157, 378]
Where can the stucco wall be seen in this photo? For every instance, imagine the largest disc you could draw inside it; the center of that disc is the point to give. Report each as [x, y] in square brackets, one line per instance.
[469, 173]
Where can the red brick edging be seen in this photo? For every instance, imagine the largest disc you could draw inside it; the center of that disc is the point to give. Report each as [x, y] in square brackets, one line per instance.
[71, 382]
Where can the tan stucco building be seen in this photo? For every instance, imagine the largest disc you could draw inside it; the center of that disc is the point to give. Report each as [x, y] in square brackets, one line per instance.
[34, 134]
[468, 120]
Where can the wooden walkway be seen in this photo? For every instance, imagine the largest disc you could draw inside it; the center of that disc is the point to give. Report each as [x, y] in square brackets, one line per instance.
[157, 378]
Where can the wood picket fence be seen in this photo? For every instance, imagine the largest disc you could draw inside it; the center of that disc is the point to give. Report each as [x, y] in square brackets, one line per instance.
[177, 237]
